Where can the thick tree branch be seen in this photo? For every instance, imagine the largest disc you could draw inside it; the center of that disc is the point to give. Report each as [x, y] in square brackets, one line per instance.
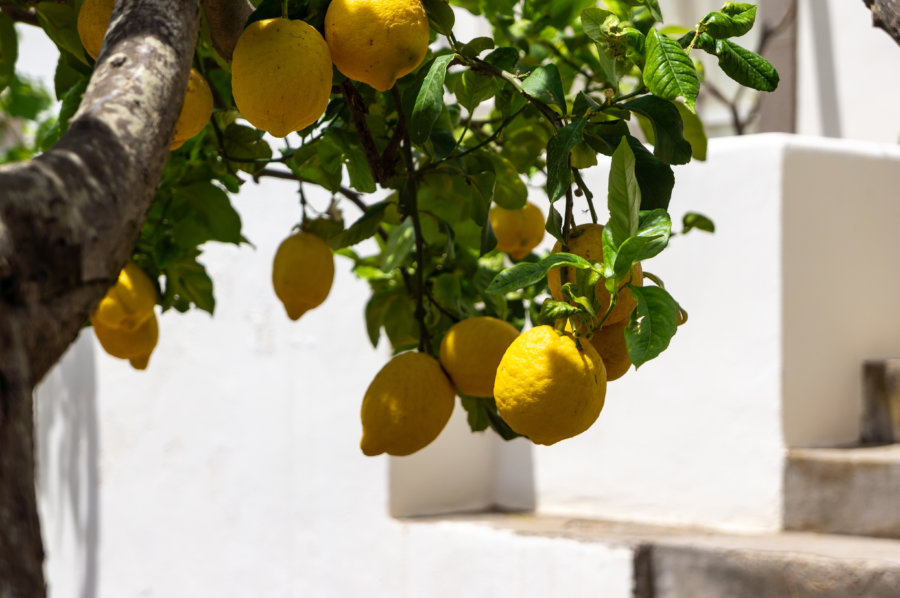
[226, 20]
[886, 15]
[69, 217]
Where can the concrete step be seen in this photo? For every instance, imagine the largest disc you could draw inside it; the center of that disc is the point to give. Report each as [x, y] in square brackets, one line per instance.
[844, 490]
[691, 563]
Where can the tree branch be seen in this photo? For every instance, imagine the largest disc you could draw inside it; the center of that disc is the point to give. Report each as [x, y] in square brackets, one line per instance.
[886, 15]
[226, 19]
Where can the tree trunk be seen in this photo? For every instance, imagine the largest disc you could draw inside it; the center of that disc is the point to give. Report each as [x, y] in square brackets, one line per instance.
[886, 15]
[68, 221]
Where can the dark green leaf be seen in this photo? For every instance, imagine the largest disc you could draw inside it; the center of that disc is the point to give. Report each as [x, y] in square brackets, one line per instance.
[545, 84]
[552, 310]
[654, 322]
[477, 46]
[69, 72]
[734, 20]
[70, 103]
[376, 311]
[669, 72]
[746, 67]
[599, 24]
[205, 214]
[190, 282]
[694, 131]
[430, 100]
[558, 148]
[693, 220]
[477, 416]
[59, 22]
[524, 274]
[362, 229]
[624, 199]
[655, 178]
[245, 146]
[440, 16]
[670, 145]
[9, 50]
[554, 223]
[509, 190]
[504, 58]
[400, 242]
[653, 7]
[472, 89]
[488, 238]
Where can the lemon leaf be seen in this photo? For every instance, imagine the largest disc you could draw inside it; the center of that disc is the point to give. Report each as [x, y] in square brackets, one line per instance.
[429, 100]
[653, 323]
[8, 50]
[524, 274]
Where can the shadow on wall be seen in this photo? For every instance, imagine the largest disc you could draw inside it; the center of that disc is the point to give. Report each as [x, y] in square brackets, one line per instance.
[67, 437]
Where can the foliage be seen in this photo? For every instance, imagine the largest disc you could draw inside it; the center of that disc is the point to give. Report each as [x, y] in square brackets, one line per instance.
[479, 122]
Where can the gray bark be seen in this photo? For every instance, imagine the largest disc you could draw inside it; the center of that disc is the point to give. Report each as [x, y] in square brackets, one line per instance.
[68, 221]
[886, 15]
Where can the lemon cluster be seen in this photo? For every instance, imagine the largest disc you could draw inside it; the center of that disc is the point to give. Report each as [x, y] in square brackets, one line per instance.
[124, 321]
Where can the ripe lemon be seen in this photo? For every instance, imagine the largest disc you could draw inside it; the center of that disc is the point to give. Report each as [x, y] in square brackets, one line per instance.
[548, 388]
[135, 345]
[585, 240]
[471, 351]
[302, 273]
[406, 406]
[128, 302]
[196, 111]
[517, 231]
[93, 20]
[377, 41]
[281, 75]
[610, 344]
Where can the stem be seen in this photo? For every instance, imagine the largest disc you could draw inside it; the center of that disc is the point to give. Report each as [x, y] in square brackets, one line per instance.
[381, 172]
[284, 9]
[413, 212]
[633, 93]
[493, 136]
[568, 217]
[587, 194]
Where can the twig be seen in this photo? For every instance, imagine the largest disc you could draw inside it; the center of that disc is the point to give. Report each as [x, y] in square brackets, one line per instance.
[381, 170]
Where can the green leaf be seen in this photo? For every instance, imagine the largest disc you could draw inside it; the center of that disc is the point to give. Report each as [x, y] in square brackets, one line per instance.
[440, 16]
[400, 242]
[652, 237]
[653, 7]
[472, 89]
[599, 24]
[478, 45]
[362, 229]
[693, 220]
[670, 145]
[504, 58]
[430, 100]
[746, 67]
[545, 84]
[488, 238]
[204, 213]
[554, 223]
[509, 190]
[447, 291]
[70, 103]
[477, 416]
[525, 274]
[624, 199]
[552, 310]
[734, 20]
[9, 50]
[654, 177]
[653, 323]
[69, 72]
[669, 72]
[190, 282]
[558, 148]
[244, 146]
[354, 160]
[59, 22]
[694, 131]
[376, 311]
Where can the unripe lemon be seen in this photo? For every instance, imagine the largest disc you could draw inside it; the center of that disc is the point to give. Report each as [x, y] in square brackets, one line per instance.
[547, 387]
[302, 273]
[93, 20]
[377, 41]
[517, 231]
[471, 351]
[281, 75]
[586, 240]
[195, 112]
[406, 406]
[609, 342]
[135, 345]
[128, 302]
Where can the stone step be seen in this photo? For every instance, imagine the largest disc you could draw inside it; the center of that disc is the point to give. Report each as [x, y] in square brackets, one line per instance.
[852, 491]
[691, 563]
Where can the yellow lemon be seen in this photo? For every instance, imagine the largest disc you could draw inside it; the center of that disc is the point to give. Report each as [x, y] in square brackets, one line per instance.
[302, 273]
[93, 20]
[135, 345]
[128, 302]
[406, 406]
[609, 342]
[281, 75]
[377, 41]
[548, 387]
[586, 241]
[195, 113]
[517, 231]
[471, 351]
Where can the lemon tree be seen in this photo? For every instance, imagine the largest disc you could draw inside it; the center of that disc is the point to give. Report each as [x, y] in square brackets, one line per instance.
[416, 129]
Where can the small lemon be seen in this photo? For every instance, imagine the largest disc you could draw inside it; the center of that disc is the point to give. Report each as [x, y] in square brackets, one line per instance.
[406, 406]
[547, 387]
[128, 302]
[610, 344]
[302, 273]
[377, 41]
[471, 351]
[281, 75]
[93, 20]
[586, 240]
[196, 111]
[135, 345]
[517, 231]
